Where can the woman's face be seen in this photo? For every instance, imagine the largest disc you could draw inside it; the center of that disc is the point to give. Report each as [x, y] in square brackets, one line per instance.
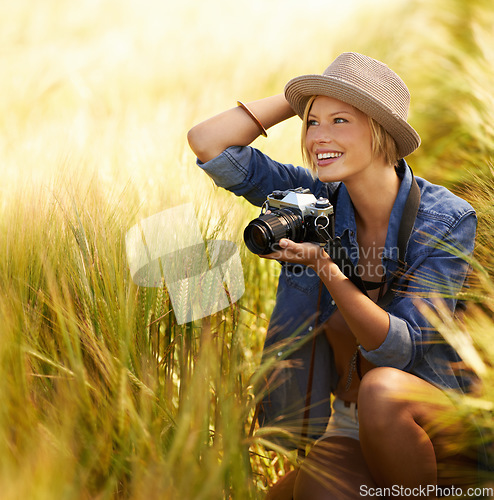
[338, 140]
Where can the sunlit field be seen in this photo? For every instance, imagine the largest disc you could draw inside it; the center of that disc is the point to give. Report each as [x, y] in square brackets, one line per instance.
[104, 395]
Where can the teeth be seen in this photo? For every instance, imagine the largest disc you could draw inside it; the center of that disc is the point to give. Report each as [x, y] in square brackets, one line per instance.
[323, 156]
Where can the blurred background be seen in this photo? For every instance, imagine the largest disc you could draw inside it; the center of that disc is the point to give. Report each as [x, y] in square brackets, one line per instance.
[138, 74]
[103, 394]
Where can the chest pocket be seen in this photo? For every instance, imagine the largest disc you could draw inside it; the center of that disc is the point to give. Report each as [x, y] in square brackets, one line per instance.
[301, 278]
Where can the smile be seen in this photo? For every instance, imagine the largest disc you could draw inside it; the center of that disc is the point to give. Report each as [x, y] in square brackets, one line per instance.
[323, 156]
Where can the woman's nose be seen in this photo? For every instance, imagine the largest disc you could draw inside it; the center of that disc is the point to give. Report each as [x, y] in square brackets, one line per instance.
[321, 134]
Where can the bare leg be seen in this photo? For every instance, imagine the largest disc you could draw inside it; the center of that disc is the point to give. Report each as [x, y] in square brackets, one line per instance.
[401, 428]
[334, 469]
[283, 489]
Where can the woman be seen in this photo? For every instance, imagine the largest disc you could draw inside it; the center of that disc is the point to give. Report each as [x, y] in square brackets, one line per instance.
[380, 359]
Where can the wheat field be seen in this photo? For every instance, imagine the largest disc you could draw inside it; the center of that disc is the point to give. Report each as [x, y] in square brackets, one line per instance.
[104, 394]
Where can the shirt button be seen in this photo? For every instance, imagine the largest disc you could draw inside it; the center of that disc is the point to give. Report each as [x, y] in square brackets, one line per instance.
[310, 328]
[333, 303]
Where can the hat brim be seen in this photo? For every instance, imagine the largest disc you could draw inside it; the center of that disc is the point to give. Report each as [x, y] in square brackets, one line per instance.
[299, 90]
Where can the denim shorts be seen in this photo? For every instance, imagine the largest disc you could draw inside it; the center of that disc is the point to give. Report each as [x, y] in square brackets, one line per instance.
[343, 421]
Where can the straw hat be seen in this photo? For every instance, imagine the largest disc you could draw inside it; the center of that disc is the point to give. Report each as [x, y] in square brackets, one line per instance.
[366, 84]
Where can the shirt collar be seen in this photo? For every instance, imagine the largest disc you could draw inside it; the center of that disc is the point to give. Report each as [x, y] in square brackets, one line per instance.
[391, 245]
[345, 220]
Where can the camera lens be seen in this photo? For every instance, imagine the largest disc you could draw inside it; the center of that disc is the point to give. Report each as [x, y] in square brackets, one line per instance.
[258, 235]
[262, 234]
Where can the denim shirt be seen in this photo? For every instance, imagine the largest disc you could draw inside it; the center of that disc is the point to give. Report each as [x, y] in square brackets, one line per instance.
[411, 344]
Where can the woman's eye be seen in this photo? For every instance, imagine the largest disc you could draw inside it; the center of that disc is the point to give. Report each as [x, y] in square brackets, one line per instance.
[339, 120]
[311, 123]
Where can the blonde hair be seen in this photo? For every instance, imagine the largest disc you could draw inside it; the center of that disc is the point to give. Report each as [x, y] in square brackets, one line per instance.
[382, 144]
[305, 152]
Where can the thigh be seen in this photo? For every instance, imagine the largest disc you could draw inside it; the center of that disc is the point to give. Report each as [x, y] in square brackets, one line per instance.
[334, 468]
[393, 401]
[387, 392]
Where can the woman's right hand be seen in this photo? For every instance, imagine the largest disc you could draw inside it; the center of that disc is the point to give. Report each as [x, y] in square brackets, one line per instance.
[235, 127]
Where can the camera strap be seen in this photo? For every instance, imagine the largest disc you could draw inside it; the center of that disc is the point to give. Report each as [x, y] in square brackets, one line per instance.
[404, 232]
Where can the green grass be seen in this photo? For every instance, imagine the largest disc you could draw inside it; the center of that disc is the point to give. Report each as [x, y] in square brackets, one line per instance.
[104, 395]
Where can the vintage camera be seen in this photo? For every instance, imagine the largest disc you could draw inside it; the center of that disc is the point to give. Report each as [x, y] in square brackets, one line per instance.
[295, 214]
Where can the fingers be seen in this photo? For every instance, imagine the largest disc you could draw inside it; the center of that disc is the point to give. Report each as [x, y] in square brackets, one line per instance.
[299, 253]
[286, 252]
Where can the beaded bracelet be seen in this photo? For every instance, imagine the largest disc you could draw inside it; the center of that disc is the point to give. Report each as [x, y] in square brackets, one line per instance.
[254, 118]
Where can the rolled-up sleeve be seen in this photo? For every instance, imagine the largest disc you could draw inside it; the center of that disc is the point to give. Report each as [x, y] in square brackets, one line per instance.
[247, 172]
[230, 168]
[396, 350]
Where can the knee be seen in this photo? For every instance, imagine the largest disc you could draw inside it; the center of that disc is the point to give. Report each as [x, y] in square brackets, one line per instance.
[379, 396]
[381, 384]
